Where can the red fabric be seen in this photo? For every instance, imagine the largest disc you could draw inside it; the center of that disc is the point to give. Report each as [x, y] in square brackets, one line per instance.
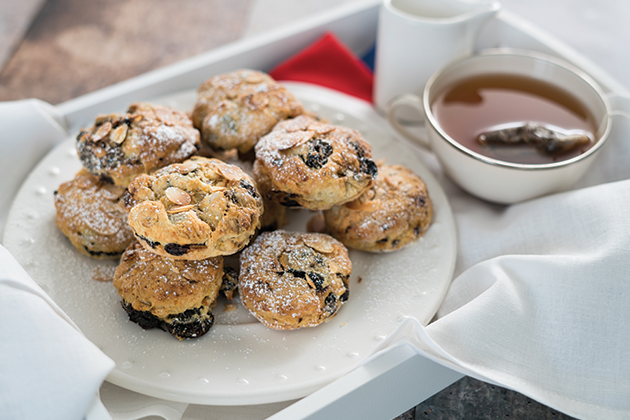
[328, 62]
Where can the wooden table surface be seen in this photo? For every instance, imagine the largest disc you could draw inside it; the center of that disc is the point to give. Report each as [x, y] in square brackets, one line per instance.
[57, 50]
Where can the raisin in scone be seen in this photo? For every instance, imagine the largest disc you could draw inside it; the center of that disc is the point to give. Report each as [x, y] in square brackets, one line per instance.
[198, 209]
[290, 280]
[394, 212]
[235, 109]
[90, 213]
[121, 146]
[312, 164]
[174, 295]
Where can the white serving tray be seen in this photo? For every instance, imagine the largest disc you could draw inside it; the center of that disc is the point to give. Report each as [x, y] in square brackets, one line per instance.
[396, 380]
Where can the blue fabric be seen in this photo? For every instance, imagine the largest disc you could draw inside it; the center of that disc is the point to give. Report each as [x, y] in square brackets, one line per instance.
[368, 57]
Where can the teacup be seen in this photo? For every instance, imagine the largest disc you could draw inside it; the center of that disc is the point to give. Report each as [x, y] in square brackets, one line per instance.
[496, 179]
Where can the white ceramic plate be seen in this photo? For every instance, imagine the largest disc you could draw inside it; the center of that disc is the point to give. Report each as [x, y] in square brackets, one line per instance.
[240, 362]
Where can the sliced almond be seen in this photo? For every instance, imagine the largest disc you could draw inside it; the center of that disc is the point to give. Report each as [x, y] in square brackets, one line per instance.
[321, 128]
[231, 172]
[188, 166]
[294, 139]
[85, 180]
[180, 209]
[102, 131]
[119, 134]
[101, 119]
[177, 196]
[318, 243]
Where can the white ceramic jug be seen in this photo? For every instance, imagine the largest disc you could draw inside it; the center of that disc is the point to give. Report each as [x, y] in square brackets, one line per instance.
[417, 37]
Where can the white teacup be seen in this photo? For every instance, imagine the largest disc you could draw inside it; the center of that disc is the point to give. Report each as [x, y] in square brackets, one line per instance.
[497, 180]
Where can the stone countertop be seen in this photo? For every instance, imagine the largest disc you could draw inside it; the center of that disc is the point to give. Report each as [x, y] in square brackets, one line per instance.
[56, 50]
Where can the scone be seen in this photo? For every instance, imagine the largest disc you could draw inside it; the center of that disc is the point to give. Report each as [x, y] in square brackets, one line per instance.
[312, 164]
[290, 280]
[275, 214]
[234, 110]
[90, 213]
[121, 146]
[394, 212]
[175, 296]
[194, 210]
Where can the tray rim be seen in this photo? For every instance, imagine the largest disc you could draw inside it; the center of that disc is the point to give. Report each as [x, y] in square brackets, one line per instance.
[101, 100]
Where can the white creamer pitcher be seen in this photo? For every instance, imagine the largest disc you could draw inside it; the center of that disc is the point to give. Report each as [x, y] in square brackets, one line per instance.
[417, 37]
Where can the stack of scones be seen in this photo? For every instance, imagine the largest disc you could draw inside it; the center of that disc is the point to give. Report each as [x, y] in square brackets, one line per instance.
[171, 194]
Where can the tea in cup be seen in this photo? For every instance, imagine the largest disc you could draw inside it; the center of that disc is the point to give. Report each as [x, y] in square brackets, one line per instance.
[510, 125]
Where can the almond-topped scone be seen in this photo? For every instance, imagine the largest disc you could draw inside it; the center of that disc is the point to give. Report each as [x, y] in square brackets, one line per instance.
[198, 209]
[393, 213]
[121, 146]
[235, 109]
[291, 280]
[313, 164]
[90, 213]
[174, 295]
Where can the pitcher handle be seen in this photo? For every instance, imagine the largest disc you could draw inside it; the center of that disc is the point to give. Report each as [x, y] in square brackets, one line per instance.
[414, 102]
[620, 104]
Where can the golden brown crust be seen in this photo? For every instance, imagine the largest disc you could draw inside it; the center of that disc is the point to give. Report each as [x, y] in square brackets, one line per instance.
[121, 146]
[89, 212]
[194, 210]
[275, 214]
[394, 212]
[163, 286]
[313, 164]
[236, 109]
[291, 280]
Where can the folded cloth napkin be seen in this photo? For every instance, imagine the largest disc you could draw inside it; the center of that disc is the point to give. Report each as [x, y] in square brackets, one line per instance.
[49, 369]
[29, 129]
[538, 302]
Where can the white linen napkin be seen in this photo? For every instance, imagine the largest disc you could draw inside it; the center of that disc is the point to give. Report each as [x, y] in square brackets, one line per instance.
[49, 369]
[539, 303]
[544, 311]
[28, 130]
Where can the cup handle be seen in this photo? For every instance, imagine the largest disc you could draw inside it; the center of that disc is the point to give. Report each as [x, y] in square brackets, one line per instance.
[408, 100]
[620, 104]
